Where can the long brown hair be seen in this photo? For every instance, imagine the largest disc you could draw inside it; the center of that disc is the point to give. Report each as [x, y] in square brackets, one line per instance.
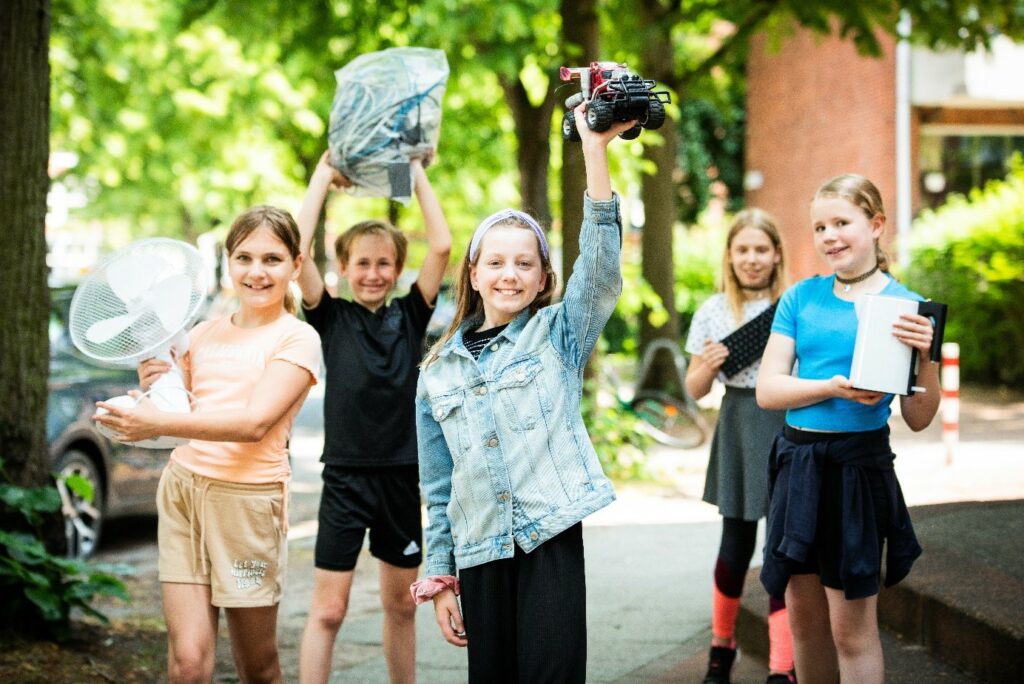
[862, 193]
[280, 223]
[762, 221]
[469, 303]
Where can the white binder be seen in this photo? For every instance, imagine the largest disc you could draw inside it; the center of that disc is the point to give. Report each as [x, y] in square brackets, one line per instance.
[881, 362]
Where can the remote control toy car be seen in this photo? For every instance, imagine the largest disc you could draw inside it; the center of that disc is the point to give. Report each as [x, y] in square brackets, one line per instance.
[613, 92]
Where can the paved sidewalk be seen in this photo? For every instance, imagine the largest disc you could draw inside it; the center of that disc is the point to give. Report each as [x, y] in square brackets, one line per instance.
[650, 557]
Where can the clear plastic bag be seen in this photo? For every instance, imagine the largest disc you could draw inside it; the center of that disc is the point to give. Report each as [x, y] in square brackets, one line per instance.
[386, 111]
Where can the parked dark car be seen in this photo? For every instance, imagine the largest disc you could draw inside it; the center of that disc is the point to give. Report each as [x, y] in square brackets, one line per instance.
[124, 478]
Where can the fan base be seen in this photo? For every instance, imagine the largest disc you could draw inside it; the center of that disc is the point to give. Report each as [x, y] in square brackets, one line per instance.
[125, 401]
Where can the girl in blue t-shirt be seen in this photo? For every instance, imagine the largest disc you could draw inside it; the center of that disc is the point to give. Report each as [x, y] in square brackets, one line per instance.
[834, 495]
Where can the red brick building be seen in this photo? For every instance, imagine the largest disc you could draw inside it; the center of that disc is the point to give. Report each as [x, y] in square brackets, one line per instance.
[816, 108]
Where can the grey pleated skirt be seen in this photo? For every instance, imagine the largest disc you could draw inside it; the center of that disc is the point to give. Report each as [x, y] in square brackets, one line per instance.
[737, 477]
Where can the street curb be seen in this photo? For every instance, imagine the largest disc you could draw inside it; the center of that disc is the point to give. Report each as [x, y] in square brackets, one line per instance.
[954, 606]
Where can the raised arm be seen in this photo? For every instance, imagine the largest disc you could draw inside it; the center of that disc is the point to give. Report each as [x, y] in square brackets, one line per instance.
[595, 153]
[323, 179]
[596, 281]
[281, 386]
[439, 237]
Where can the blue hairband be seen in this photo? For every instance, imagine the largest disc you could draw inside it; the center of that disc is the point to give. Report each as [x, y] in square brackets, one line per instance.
[500, 217]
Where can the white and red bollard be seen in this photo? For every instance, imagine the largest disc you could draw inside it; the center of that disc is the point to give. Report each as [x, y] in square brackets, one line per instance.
[950, 379]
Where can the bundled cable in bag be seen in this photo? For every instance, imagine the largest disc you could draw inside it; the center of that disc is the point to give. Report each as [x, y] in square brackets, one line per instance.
[386, 111]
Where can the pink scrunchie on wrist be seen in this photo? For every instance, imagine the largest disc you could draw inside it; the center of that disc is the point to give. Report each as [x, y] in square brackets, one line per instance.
[428, 587]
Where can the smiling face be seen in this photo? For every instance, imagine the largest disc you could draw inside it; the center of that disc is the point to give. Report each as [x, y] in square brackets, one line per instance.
[372, 269]
[508, 273]
[844, 235]
[753, 256]
[261, 269]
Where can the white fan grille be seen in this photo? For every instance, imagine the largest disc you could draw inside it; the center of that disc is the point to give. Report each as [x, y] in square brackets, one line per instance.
[129, 300]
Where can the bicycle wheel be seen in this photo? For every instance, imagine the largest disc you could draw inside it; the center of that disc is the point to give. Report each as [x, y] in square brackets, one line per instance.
[668, 420]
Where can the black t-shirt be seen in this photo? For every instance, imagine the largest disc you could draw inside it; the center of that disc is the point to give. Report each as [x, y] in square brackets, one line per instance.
[372, 361]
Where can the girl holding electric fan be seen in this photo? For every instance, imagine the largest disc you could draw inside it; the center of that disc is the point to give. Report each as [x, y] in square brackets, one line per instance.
[222, 498]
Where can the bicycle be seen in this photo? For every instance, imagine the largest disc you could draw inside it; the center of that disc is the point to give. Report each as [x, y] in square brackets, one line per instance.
[669, 420]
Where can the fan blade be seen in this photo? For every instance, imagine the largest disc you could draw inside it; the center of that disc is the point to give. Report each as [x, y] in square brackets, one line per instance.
[170, 300]
[133, 274]
[109, 328]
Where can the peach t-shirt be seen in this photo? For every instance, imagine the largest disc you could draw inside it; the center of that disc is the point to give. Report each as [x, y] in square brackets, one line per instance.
[226, 362]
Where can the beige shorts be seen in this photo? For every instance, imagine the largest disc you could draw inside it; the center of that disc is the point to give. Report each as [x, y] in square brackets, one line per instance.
[226, 535]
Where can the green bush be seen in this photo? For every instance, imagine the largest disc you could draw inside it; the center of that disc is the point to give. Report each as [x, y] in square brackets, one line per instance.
[41, 590]
[697, 259]
[969, 254]
[614, 429]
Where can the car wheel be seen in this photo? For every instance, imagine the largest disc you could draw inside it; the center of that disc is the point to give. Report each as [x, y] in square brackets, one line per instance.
[569, 131]
[83, 519]
[655, 114]
[599, 115]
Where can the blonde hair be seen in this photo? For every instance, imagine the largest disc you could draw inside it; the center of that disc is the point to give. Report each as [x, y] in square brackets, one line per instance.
[469, 303]
[373, 227]
[862, 193]
[731, 288]
[280, 223]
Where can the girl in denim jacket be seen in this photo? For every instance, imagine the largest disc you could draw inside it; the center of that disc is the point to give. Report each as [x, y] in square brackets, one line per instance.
[506, 465]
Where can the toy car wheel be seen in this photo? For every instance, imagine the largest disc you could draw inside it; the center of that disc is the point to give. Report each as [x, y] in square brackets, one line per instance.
[569, 131]
[83, 519]
[631, 133]
[599, 115]
[655, 114]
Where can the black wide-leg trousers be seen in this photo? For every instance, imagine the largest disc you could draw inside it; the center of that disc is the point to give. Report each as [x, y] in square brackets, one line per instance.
[526, 616]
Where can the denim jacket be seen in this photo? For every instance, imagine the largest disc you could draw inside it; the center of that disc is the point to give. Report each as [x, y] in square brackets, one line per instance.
[504, 456]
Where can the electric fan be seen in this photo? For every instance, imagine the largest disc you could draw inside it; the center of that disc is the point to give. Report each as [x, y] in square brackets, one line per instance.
[137, 305]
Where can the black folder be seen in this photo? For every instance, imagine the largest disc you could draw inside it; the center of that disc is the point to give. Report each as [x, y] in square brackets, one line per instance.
[746, 343]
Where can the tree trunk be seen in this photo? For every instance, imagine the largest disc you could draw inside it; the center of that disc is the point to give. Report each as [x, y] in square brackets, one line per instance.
[394, 212]
[533, 132]
[320, 243]
[188, 226]
[581, 44]
[24, 341]
[24, 152]
[659, 190]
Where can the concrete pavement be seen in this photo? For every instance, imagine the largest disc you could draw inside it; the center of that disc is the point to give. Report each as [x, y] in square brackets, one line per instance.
[650, 557]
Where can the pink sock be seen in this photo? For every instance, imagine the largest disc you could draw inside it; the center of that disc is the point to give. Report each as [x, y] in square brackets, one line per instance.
[780, 642]
[723, 614]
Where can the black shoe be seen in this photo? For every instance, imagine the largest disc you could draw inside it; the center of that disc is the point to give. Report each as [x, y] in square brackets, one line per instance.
[779, 678]
[720, 662]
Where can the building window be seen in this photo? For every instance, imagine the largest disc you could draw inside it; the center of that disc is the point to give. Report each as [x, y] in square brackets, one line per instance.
[958, 163]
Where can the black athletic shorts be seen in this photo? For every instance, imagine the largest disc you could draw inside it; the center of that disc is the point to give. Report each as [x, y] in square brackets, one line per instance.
[385, 500]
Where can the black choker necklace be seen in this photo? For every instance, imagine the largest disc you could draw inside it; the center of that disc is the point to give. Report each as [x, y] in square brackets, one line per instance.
[847, 282]
[755, 289]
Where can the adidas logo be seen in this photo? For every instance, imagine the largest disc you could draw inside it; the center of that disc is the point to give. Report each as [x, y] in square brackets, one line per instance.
[412, 548]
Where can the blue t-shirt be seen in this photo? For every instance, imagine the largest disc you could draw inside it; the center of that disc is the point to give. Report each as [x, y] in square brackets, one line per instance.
[824, 328]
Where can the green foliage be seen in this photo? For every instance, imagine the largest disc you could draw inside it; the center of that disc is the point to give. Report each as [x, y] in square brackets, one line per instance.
[969, 254]
[711, 153]
[698, 260]
[622, 333]
[614, 429]
[41, 589]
